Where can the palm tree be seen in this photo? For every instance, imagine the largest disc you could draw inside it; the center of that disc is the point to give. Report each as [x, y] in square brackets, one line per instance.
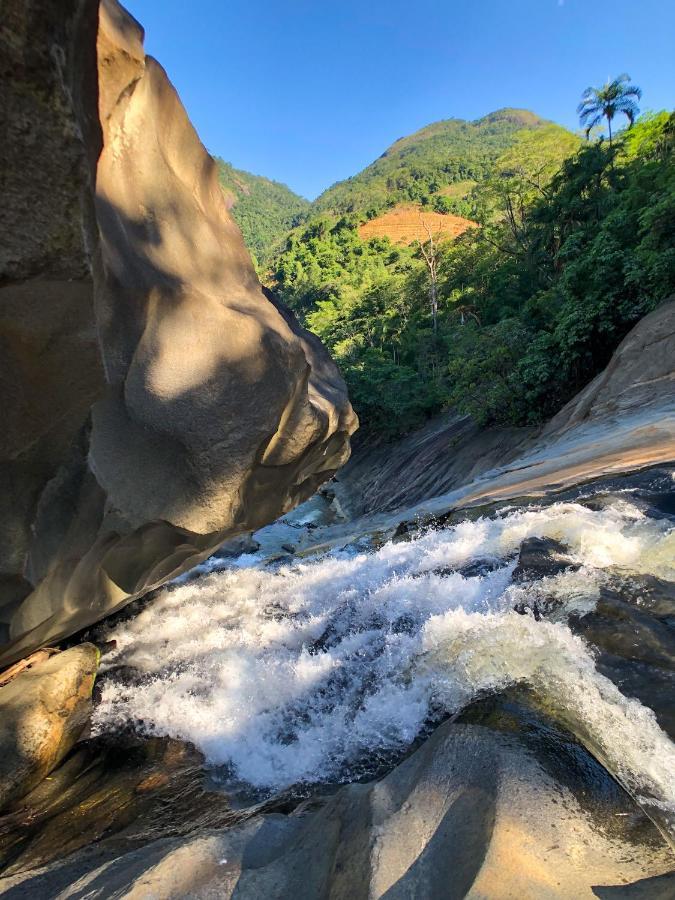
[614, 97]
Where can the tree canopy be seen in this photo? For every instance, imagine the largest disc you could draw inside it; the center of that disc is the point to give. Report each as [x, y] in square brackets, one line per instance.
[575, 245]
[617, 96]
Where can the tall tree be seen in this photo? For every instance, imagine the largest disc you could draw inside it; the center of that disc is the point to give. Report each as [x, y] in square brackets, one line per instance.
[618, 96]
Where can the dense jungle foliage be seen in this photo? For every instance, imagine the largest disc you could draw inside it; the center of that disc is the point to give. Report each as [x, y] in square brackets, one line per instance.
[575, 245]
[265, 210]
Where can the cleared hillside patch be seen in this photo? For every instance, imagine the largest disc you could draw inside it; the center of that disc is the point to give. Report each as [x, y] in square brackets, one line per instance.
[408, 223]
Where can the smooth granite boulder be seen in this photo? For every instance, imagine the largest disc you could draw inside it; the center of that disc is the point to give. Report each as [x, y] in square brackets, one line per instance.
[473, 813]
[157, 402]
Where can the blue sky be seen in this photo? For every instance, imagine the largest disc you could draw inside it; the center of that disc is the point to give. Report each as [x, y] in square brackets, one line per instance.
[309, 93]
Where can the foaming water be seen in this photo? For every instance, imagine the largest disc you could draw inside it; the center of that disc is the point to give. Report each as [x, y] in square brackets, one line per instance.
[295, 674]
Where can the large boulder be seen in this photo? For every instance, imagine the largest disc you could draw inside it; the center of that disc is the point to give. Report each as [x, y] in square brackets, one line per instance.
[51, 367]
[473, 813]
[157, 401]
[43, 712]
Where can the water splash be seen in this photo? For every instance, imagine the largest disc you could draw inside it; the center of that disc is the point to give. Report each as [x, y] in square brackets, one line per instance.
[293, 674]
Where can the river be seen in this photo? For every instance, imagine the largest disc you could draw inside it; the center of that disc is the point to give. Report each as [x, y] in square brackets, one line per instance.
[288, 673]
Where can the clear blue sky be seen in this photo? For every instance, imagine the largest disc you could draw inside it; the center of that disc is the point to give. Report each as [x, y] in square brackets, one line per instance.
[310, 91]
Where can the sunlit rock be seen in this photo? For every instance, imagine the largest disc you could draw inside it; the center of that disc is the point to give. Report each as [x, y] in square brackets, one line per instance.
[157, 401]
[475, 812]
[43, 711]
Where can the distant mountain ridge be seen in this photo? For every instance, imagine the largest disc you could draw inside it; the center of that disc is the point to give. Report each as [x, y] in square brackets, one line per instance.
[265, 210]
[519, 118]
[419, 165]
[437, 166]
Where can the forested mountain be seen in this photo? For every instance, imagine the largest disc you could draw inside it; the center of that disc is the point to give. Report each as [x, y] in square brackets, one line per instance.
[434, 171]
[265, 210]
[505, 321]
[420, 166]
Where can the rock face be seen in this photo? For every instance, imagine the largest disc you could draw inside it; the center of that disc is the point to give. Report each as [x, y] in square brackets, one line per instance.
[144, 789]
[158, 403]
[640, 375]
[623, 420]
[51, 368]
[449, 450]
[473, 813]
[43, 711]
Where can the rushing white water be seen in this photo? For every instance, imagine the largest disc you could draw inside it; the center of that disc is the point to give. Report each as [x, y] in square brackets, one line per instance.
[296, 673]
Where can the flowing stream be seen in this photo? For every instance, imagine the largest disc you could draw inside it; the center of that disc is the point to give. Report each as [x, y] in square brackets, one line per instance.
[308, 671]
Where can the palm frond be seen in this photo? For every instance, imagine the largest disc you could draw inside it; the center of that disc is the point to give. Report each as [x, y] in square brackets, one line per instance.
[617, 96]
[592, 116]
[593, 123]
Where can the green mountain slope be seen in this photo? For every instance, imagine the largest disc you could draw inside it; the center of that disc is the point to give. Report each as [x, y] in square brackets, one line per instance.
[416, 167]
[265, 210]
[509, 320]
[445, 167]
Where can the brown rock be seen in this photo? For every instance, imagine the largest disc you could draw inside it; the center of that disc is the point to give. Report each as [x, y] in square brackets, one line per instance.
[51, 369]
[43, 712]
[157, 401]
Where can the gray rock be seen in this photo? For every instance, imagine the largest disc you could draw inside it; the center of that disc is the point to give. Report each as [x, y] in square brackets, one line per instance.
[43, 712]
[473, 813]
[635, 642]
[157, 403]
[542, 558]
[245, 543]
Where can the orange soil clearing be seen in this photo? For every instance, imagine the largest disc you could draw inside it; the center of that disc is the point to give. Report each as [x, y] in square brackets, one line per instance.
[405, 224]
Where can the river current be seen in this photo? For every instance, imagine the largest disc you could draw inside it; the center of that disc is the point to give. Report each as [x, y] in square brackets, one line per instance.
[312, 670]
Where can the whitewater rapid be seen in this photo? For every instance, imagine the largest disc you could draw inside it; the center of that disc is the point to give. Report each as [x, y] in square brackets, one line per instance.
[297, 673]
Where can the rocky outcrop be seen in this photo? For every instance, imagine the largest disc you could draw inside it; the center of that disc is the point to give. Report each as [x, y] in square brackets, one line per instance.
[51, 368]
[475, 813]
[623, 420]
[157, 402]
[449, 450]
[640, 376]
[43, 712]
[139, 788]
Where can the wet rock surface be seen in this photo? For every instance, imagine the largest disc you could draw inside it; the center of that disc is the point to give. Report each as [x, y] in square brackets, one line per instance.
[118, 793]
[542, 558]
[485, 808]
[140, 789]
[632, 629]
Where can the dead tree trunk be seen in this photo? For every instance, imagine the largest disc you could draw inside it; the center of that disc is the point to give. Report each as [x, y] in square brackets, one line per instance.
[429, 253]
